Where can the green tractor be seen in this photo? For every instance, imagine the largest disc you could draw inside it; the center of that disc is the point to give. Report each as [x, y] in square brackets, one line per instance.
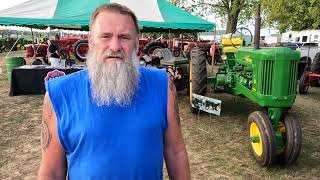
[22, 42]
[266, 76]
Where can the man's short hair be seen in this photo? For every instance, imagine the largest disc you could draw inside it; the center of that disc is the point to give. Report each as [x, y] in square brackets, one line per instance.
[115, 8]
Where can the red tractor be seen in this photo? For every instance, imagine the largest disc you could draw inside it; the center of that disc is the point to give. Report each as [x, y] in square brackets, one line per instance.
[68, 45]
[310, 77]
[181, 48]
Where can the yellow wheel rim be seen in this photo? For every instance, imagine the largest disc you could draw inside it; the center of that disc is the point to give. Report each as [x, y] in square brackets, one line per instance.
[256, 140]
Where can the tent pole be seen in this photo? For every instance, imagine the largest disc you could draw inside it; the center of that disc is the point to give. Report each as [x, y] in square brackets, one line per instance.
[34, 47]
[214, 47]
[169, 41]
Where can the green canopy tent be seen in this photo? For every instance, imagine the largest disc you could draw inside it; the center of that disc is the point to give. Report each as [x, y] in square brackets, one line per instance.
[153, 15]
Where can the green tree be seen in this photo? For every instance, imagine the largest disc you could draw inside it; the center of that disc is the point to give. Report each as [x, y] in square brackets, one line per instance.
[292, 14]
[231, 11]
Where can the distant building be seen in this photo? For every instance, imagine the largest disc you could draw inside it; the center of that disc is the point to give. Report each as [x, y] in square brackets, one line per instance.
[305, 36]
[272, 39]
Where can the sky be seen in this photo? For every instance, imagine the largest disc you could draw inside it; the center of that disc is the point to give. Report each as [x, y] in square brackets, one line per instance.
[264, 32]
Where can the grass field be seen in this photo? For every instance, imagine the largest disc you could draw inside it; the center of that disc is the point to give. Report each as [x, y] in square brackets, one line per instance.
[217, 145]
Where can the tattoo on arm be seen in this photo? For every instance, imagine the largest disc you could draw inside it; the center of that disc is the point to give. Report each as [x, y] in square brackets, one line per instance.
[46, 136]
[171, 84]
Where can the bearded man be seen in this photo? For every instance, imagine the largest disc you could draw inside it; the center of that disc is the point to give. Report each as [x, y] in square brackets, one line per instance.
[114, 120]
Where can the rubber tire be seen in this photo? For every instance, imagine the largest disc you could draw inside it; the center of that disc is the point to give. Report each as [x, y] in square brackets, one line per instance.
[315, 66]
[151, 46]
[199, 73]
[22, 47]
[64, 53]
[303, 89]
[77, 44]
[45, 60]
[176, 53]
[36, 62]
[293, 141]
[307, 61]
[268, 156]
[7, 48]
[217, 59]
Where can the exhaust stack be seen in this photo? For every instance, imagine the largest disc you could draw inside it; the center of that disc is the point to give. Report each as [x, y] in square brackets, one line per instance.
[257, 28]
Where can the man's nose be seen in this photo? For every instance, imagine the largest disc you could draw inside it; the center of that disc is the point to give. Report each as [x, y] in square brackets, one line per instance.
[115, 44]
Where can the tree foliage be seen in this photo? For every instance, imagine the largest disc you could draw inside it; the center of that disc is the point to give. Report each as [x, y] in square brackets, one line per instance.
[292, 14]
[231, 12]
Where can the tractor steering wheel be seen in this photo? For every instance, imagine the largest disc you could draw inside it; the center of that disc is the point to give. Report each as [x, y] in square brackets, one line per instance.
[242, 32]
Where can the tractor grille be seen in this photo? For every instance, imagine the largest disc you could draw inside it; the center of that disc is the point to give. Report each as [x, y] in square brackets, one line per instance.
[267, 77]
[293, 78]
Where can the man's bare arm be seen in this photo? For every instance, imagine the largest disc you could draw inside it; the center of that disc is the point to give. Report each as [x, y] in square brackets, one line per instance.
[175, 151]
[53, 162]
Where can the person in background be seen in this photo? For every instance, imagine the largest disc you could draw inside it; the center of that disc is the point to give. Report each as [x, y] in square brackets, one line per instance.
[53, 52]
[114, 120]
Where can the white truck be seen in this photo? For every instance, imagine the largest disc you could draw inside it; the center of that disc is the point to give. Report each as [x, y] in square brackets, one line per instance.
[308, 52]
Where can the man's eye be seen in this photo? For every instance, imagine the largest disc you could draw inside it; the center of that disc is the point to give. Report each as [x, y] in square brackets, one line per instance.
[125, 37]
[105, 37]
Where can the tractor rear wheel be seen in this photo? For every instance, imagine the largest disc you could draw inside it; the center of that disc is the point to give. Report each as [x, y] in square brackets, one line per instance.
[151, 46]
[80, 49]
[292, 134]
[262, 138]
[198, 74]
[304, 83]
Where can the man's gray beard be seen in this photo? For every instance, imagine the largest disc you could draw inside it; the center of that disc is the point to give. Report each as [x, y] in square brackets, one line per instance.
[114, 82]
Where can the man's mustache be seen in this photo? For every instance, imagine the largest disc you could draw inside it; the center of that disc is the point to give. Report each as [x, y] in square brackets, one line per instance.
[113, 54]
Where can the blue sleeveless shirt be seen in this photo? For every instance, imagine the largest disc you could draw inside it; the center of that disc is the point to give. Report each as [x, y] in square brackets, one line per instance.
[111, 142]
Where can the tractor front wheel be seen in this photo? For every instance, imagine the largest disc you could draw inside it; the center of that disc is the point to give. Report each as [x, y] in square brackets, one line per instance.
[197, 74]
[64, 53]
[304, 83]
[262, 138]
[292, 134]
[22, 47]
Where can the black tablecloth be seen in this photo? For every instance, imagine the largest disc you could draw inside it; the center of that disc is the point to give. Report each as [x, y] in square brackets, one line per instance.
[30, 81]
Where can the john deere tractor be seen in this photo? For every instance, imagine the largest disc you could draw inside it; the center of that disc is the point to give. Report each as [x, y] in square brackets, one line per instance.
[266, 76]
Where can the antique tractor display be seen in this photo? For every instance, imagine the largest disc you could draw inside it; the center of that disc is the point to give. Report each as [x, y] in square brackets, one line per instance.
[267, 77]
[67, 46]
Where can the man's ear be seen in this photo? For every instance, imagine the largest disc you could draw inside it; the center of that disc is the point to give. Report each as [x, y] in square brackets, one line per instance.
[90, 40]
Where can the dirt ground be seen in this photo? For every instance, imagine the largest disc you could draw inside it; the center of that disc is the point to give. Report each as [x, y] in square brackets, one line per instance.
[217, 146]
